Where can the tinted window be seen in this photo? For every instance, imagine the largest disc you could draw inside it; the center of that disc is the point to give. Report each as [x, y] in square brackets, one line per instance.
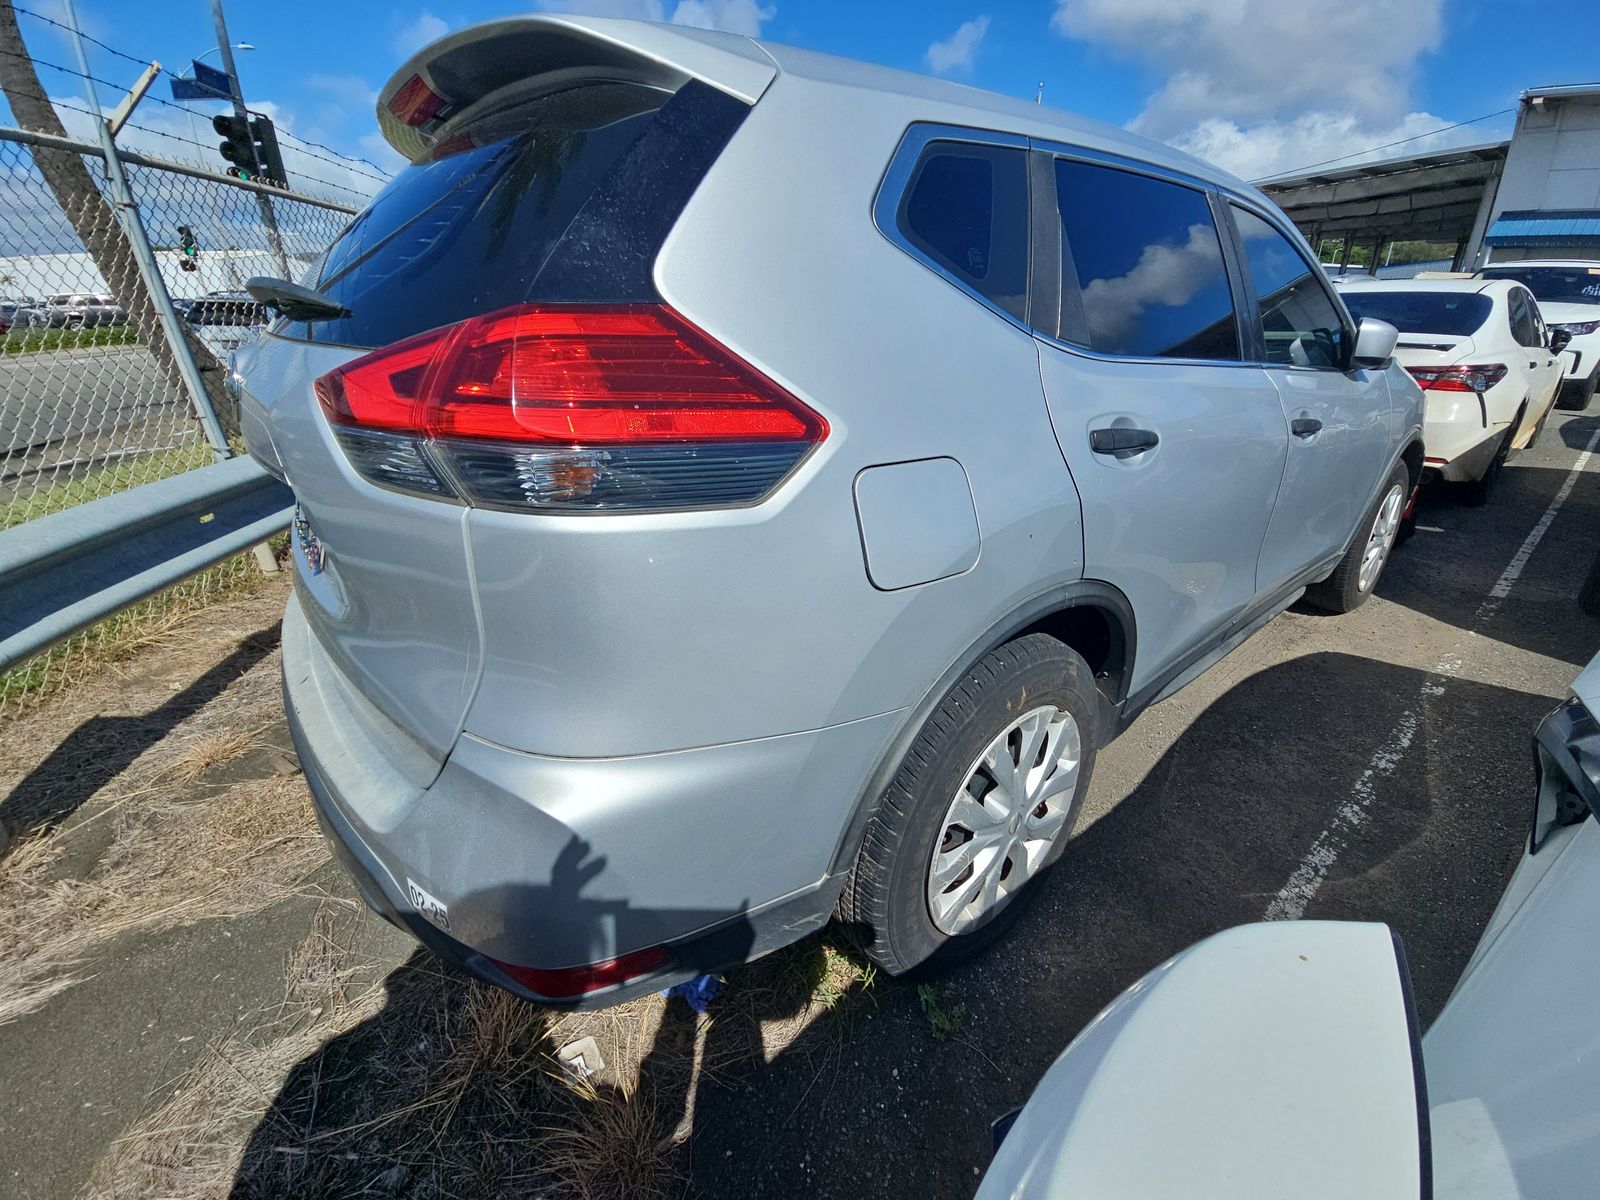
[1298, 316]
[1567, 285]
[466, 231]
[1523, 326]
[1453, 314]
[967, 210]
[1148, 263]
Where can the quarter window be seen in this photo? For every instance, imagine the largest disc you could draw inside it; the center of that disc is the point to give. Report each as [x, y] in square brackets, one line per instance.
[1299, 319]
[967, 211]
[1148, 265]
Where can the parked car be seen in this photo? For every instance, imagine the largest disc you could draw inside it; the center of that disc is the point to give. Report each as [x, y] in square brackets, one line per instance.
[1485, 359]
[719, 506]
[224, 308]
[1209, 1055]
[1568, 291]
[76, 310]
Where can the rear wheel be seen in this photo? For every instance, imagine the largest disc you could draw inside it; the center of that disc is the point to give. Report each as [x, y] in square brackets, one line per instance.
[1476, 492]
[983, 803]
[1358, 572]
[1577, 396]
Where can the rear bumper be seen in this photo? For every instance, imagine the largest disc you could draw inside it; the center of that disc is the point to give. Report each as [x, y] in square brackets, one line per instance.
[720, 854]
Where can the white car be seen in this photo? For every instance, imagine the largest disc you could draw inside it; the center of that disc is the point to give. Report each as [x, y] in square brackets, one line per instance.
[1486, 363]
[1568, 291]
[1284, 1059]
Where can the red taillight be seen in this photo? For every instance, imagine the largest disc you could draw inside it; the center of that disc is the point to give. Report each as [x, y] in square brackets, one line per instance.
[607, 405]
[416, 103]
[1458, 379]
[571, 982]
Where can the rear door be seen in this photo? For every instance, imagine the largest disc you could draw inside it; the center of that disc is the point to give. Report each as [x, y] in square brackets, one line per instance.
[1338, 419]
[1544, 365]
[1175, 442]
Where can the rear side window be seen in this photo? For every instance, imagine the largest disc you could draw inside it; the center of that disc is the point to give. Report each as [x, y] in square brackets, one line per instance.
[966, 210]
[1524, 327]
[1148, 265]
[466, 231]
[1298, 317]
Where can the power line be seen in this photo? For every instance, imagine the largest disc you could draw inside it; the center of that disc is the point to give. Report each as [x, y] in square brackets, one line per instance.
[341, 160]
[1389, 145]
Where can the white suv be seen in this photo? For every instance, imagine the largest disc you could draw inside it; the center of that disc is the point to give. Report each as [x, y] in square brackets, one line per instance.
[1568, 291]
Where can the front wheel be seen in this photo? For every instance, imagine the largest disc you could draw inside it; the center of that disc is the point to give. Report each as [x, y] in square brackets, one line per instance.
[1358, 572]
[982, 805]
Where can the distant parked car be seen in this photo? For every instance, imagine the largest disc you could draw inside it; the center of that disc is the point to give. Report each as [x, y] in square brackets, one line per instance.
[76, 310]
[1284, 1059]
[1568, 291]
[1486, 362]
[224, 308]
[738, 485]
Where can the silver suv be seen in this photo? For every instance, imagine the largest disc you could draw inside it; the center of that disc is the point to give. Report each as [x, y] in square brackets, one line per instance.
[739, 486]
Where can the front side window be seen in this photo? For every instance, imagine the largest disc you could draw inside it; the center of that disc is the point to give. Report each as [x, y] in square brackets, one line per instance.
[1299, 319]
[1148, 263]
[966, 210]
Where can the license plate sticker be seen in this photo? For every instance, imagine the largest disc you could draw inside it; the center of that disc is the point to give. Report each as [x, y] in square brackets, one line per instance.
[430, 907]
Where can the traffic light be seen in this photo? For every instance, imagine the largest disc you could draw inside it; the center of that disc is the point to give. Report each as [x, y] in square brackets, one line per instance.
[249, 141]
[190, 248]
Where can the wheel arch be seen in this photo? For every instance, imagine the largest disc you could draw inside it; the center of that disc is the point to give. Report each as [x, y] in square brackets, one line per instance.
[1090, 616]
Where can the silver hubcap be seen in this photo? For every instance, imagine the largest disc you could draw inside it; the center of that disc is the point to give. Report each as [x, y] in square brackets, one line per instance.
[1008, 812]
[1381, 540]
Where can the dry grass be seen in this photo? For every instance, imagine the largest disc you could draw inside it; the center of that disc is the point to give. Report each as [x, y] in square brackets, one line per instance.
[169, 864]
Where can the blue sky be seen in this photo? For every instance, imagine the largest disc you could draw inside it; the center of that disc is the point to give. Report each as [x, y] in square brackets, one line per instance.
[1259, 85]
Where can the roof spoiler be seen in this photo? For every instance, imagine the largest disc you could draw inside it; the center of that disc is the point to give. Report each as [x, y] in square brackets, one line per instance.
[460, 76]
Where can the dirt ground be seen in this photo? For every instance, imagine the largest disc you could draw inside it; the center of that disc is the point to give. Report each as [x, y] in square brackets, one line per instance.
[194, 1004]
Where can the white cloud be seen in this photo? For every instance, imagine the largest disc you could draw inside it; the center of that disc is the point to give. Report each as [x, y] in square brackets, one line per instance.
[419, 33]
[348, 91]
[1168, 275]
[1263, 86]
[730, 16]
[956, 52]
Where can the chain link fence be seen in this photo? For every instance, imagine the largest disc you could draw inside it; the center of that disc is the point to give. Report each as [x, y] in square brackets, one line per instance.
[90, 401]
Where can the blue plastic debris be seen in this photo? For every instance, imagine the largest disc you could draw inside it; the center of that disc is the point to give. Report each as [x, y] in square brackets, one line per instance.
[699, 992]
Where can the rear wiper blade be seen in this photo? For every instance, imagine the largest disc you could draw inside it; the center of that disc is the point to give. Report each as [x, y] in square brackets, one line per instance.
[294, 301]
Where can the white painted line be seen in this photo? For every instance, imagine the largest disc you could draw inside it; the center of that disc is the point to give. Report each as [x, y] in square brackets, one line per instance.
[1307, 878]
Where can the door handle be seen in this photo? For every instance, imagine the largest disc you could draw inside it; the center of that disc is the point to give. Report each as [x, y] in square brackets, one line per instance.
[1122, 440]
[1304, 427]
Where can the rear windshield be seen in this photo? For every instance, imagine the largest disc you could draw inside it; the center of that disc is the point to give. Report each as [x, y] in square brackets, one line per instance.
[1556, 285]
[1454, 314]
[466, 231]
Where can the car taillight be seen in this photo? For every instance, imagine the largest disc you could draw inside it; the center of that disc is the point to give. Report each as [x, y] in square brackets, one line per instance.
[569, 983]
[568, 407]
[1458, 379]
[415, 103]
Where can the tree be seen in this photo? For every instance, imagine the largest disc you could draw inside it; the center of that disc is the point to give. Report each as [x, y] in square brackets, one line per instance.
[92, 218]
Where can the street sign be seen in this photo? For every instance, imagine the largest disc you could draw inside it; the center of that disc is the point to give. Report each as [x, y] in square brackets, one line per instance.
[207, 83]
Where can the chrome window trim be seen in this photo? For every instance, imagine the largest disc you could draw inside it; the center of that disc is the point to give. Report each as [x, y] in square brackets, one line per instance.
[892, 190]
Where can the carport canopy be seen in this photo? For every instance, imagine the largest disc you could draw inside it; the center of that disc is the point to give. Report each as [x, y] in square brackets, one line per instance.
[1423, 197]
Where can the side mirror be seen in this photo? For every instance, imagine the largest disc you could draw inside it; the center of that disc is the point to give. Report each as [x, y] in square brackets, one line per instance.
[1559, 339]
[1374, 346]
[1272, 1060]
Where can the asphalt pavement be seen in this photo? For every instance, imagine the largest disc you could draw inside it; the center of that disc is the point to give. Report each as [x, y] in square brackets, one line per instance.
[1373, 767]
[52, 399]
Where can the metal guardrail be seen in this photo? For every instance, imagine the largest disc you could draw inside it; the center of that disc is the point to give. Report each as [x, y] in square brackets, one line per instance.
[68, 570]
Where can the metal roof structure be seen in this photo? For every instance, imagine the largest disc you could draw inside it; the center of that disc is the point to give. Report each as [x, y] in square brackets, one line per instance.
[1545, 227]
[1432, 197]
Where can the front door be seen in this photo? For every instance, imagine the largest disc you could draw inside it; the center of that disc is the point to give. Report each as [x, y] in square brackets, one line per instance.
[1338, 419]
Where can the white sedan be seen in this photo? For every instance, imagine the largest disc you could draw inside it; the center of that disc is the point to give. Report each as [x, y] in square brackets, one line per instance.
[1483, 356]
[1568, 291]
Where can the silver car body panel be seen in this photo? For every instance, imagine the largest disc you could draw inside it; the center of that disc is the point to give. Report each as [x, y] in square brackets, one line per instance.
[707, 703]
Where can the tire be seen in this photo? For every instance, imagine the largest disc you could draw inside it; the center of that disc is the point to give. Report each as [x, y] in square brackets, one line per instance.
[1476, 492]
[1344, 590]
[889, 901]
[1571, 398]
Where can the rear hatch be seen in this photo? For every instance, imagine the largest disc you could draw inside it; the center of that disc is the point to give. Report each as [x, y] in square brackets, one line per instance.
[549, 160]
